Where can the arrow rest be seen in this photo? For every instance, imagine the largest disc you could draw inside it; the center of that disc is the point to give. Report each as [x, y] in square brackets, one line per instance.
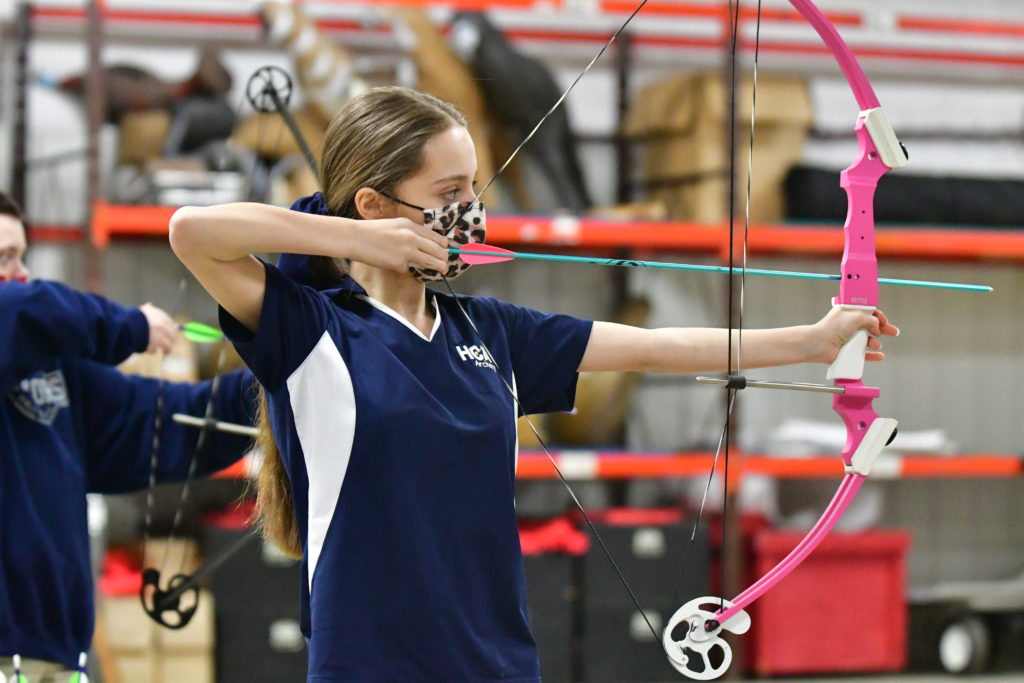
[157, 601]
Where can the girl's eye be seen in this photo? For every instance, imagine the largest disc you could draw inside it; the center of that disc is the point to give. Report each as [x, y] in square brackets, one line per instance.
[450, 195]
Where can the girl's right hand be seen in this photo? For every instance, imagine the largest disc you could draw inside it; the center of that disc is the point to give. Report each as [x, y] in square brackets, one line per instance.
[397, 243]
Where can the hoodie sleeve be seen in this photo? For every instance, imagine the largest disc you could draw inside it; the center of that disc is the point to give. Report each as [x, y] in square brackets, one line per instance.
[118, 418]
[41, 321]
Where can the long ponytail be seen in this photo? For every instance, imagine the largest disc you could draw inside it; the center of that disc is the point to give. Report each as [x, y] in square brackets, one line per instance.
[275, 509]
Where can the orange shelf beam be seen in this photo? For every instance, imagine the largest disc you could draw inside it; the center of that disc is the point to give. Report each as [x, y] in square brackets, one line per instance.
[894, 242]
[111, 221]
[585, 465]
[125, 220]
[680, 11]
[594, 465]
[38, 232]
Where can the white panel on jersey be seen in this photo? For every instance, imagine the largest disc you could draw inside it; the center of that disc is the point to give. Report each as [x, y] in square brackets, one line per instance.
[324, 405]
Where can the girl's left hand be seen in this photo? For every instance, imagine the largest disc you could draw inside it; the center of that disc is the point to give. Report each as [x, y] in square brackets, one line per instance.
[839, 326]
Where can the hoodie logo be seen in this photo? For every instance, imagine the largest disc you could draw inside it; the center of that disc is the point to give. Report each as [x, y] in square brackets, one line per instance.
[475, 354]
[41, 396]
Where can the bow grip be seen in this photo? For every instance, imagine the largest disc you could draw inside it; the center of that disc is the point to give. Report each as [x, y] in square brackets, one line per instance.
[849, 363]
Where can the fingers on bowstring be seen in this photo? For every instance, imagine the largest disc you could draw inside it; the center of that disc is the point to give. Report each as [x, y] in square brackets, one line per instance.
[433, 253]
[439, 239]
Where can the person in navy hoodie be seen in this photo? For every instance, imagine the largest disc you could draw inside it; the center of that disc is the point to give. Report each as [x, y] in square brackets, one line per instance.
[71, 424]
[389, 463]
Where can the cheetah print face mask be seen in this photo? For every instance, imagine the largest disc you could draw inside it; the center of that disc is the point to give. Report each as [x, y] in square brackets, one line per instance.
[463, 222]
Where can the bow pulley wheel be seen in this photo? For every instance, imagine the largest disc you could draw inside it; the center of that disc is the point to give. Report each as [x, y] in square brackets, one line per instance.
[699, 651]
[172, 607]
[267, 86]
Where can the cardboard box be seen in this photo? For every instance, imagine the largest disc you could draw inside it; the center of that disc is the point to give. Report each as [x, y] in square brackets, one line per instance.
[178, 668]
[146, 652]
[142, 135]
[196, 638]
[681, 125]
[136, 667]
[178, 556]
[129, 629]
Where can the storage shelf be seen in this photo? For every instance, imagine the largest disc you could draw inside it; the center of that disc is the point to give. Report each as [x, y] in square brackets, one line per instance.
[589, 465]
[113, 221]
[585, 465]
[979, 48]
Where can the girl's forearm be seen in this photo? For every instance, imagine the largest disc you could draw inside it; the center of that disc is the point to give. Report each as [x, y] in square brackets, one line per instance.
[614, 347]
[696, 350]
[229, 232]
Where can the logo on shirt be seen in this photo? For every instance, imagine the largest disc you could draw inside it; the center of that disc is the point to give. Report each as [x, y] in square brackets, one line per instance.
[475, 354]
[41, 396]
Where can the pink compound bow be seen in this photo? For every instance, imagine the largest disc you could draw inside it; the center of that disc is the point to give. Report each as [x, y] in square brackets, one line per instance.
[702, 653]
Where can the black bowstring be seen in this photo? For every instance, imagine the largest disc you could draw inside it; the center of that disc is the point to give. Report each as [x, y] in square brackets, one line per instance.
[725, 437]
[730, 394]
[155, 447]
[572, 494]
[554, 463]
[204, 430]
[722, 450]
[561, 99]
[268, 93]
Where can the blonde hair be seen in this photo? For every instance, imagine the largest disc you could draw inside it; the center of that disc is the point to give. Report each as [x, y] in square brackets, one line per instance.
[376, 141]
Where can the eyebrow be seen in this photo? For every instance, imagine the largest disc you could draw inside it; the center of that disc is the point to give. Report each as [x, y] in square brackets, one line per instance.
[452, 179]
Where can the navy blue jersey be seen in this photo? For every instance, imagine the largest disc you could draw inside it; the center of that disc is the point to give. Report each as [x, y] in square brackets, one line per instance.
[70, 424]
[401, 451]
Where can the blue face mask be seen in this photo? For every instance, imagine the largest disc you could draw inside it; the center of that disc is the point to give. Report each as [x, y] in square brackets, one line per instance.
[462, 222]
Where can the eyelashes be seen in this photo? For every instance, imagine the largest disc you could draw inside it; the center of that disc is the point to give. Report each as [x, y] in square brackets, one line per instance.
[451, 194]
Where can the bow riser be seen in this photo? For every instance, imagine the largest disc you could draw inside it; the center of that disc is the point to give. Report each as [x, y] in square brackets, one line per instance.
[866, 433]
[858, 285]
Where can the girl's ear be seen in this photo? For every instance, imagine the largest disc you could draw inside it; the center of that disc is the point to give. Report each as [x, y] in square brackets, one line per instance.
[371, 204]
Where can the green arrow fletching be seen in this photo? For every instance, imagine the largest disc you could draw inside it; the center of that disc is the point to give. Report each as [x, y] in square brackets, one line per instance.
[201, 334]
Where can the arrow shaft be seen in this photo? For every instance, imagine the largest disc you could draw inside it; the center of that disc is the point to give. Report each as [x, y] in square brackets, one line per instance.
[761, 272]
[229, 427]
